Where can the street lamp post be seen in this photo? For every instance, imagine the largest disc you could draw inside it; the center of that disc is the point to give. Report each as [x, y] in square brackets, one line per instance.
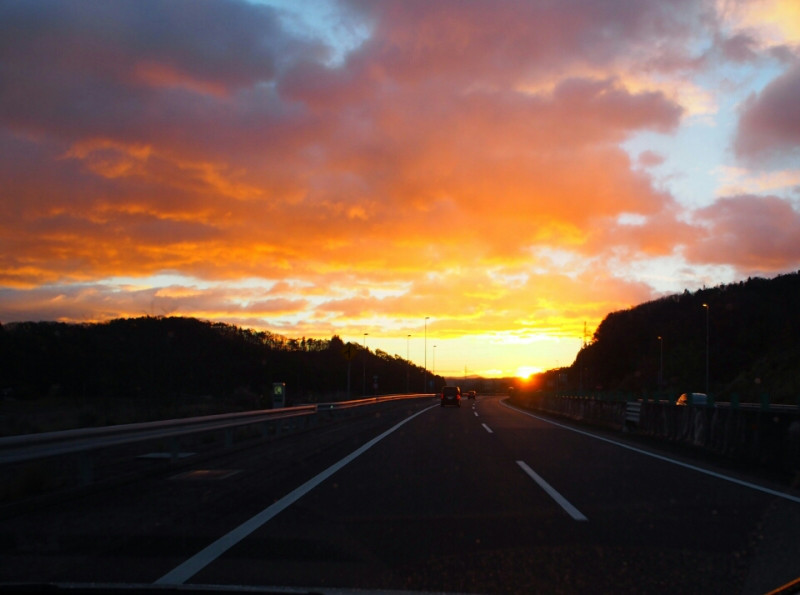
[661, 364]
[408, 366]
[707, 345]
[425, 368]
[364, 377]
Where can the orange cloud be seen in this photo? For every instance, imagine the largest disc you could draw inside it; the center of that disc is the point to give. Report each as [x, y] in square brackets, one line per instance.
[462, 149]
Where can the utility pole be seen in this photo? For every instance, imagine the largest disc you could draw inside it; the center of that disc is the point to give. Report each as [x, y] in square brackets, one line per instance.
[364, 372]
[707, 345]
[661, 364]
[408, 366]
[425, 369]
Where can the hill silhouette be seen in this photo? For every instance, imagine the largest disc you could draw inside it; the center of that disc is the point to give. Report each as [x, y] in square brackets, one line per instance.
[749, 331]
[175, 366]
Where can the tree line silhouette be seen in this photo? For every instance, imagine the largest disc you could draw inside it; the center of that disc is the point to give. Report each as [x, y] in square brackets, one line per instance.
[741, 339]
[162, 357]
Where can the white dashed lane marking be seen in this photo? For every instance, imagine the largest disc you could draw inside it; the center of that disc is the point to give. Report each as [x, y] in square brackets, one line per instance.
[562, 502]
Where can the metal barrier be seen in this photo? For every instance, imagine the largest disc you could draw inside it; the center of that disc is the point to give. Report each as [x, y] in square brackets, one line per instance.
[633, 413]
[14, 449]
[764, 436]
[85, 445]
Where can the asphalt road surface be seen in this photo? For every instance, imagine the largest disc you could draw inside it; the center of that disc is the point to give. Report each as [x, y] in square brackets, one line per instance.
[477, 499]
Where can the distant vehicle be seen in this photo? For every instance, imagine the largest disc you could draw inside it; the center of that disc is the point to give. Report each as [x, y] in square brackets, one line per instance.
[471, 394]
[451, 395]
[692, 399]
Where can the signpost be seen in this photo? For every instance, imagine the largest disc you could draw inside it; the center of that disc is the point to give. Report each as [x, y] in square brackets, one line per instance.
[278, 395]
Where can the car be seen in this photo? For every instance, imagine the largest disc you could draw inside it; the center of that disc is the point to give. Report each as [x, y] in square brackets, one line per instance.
[471, 394]
[692, 399]
[451, 395]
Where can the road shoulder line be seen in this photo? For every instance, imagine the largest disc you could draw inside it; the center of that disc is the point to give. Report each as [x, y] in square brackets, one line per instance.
[741, 482]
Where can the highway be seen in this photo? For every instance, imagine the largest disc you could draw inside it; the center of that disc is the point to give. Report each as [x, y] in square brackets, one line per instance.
[478, 499]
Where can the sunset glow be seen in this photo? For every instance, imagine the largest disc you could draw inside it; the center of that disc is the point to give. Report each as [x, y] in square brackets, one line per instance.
[512, 171]
[525, 372]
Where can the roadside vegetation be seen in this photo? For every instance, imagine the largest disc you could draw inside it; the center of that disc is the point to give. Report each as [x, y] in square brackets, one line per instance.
[57, 376]
[748, 332]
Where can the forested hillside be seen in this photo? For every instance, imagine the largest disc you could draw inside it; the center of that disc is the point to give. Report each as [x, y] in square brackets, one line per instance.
[743, 339]
[749, 331]
[162, 358]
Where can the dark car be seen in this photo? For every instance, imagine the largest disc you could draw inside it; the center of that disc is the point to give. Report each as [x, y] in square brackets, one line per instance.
[451, 395]
[471, 394]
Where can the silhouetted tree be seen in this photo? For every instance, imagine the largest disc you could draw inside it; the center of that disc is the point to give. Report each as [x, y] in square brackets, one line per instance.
[752, 334]
[162, 358]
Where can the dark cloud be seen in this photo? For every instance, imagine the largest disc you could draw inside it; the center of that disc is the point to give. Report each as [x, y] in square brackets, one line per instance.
[220, 42]
[769, 128]
[521, 38]
[741, 47]
[139, 69]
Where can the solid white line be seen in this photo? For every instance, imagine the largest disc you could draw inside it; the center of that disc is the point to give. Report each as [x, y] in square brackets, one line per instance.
[487, 428]
[185, 571]
[562, 502]
[740, 482]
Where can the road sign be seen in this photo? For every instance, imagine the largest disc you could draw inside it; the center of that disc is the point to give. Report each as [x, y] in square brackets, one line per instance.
[278, 395]
[349, 351]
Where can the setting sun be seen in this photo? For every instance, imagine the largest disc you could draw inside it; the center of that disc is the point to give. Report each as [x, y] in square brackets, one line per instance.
[525, 372]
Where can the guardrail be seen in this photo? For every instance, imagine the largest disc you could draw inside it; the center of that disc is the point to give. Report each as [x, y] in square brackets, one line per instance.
[16, 449]
[749, 433]
[633, 413]
[85, 443]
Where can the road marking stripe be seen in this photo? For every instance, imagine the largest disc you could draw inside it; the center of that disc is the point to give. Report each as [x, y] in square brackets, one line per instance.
[487, 428]
[180, 574]
[475, 413]
[740, 482]
[562, 502]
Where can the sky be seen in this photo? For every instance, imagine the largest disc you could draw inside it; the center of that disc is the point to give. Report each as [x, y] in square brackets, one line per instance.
[472, 185]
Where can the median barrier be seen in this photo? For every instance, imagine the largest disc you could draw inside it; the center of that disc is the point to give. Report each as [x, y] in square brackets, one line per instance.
[51, 461]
